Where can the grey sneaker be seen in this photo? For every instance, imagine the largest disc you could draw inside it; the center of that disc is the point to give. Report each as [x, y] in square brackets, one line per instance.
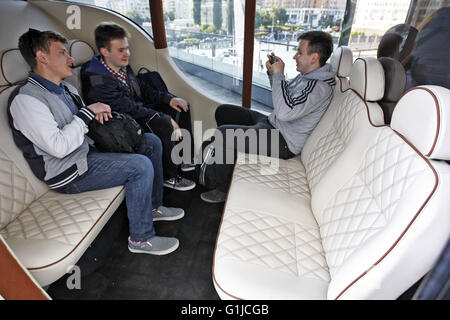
[214, 196]
[179, 183]
[167, 214]
[155, 245]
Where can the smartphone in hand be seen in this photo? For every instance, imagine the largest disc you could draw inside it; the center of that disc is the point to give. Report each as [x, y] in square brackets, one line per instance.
[271, 59]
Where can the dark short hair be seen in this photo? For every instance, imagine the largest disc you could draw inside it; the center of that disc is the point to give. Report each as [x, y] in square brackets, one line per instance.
[107, 31]
[320, 42]
[34, 40]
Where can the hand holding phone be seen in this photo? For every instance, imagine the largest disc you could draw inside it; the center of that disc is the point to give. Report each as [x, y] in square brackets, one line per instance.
[271, 58]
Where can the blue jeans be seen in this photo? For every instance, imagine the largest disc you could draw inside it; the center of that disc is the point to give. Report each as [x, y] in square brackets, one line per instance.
[141, 174]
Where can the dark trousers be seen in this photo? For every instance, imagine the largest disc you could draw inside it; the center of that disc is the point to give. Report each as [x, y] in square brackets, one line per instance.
[234, 117]
[163, 128]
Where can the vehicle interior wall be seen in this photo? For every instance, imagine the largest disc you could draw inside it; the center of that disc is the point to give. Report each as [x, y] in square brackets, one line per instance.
[50, 15]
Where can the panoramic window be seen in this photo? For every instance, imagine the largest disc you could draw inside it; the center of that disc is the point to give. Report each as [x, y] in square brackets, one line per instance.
[136, 10]
[205, 37]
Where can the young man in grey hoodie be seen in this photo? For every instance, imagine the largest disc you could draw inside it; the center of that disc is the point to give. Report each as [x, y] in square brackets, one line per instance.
[298, 106]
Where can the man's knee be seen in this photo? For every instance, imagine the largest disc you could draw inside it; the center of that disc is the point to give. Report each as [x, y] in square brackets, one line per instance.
[141, 164]
[218, 115]
[162, 126]
[152, 141]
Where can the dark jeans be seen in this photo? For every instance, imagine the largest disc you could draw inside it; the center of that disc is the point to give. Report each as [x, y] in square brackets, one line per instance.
[230, 117]
[141, 174]
[163, 128]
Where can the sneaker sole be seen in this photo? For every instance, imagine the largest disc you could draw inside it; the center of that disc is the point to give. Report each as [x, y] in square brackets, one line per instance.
[169, 218]
[211, 201]
[156, 253]
[178, 188]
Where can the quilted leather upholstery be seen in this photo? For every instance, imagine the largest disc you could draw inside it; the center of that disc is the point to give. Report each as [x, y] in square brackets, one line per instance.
[13, 67]
[47, 231]
[372, 223]
[425, 102]
[367, 78]
[81, 52]
[341, 60]
[286, 175]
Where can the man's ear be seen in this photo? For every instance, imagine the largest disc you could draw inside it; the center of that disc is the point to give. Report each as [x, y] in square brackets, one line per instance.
[315, 58]
[41, 57]
[104, 52]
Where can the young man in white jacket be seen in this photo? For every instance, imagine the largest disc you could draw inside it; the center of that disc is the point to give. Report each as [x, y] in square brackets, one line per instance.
[49, 122]
[298, 106]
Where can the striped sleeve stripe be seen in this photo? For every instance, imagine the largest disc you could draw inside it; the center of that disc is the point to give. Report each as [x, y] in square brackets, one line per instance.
[86, 115]
[300, 99]
[64, 182]
[305, 92]
[331, 81]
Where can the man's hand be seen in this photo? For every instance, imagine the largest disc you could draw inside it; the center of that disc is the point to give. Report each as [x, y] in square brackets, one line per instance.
[178, 103]
[277, 66]
[102, 111]
[176, 129]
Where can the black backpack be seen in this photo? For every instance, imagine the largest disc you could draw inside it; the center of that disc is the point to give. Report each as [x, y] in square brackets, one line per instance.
[152, 86]
[119, 134]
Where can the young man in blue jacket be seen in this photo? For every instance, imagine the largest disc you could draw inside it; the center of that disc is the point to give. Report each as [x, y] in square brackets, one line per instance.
[108, 78]
[51, 130]
[298, 105]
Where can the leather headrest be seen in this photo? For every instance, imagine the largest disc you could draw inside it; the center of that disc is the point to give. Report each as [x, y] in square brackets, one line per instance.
[81, 51]
[341, 60]
[13, 67]
[395, 79]
[367, 78]
[422, 116]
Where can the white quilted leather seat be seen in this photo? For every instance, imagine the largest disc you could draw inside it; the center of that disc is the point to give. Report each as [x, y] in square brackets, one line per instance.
[341, 60]
[47, 231]
[358, 231]
[82, 52]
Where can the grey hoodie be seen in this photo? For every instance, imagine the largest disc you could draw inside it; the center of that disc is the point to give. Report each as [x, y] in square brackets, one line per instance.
[300, 103]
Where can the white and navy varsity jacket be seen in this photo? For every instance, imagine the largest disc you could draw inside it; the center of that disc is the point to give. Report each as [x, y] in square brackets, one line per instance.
[50, 130]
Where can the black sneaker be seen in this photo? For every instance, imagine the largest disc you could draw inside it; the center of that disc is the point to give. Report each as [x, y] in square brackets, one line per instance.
[214, 196]
[179, 183]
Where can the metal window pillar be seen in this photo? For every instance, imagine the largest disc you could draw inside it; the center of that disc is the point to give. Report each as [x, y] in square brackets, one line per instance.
[158, 27]
[159, 38]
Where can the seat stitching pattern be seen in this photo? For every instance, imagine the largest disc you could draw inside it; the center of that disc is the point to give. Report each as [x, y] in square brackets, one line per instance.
[331, 144]
[64, 219]
[17, 192]
[367, 202]
[289, 176]
[273, 243]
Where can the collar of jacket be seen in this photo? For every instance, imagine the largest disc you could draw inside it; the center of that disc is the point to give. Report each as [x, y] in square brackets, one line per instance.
[47, 84]
[95, 66]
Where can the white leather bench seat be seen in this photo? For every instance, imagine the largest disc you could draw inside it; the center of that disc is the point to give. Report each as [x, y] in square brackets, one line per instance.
[47, 231]
[371, 217]
[278, 174]
[52, 233]
[267, 244]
